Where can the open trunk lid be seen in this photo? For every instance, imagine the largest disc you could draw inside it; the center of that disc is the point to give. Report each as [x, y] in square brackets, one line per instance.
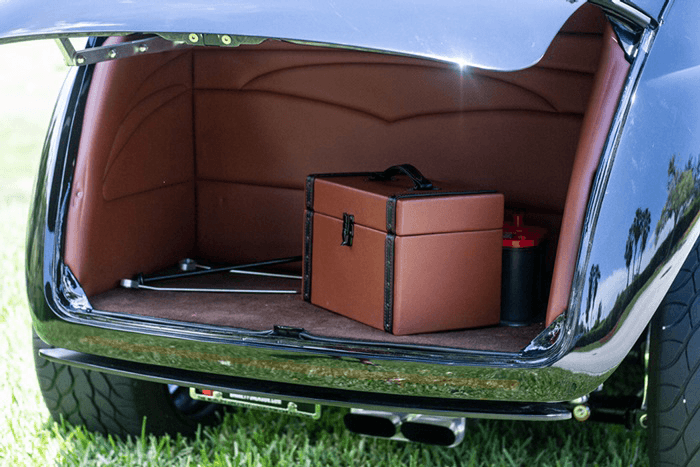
[501, 35]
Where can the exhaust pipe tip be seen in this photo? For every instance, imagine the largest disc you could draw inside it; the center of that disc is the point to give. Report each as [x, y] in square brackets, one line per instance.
[427, 429]
[374, 425]
[448, 432]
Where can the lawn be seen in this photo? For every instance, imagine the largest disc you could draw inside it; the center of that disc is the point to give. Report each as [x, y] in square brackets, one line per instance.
[32, 76]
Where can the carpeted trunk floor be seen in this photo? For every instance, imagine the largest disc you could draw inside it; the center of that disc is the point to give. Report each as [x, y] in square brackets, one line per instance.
[262, 312]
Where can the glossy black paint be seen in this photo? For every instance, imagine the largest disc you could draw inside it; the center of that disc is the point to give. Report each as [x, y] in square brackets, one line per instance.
[52, 187]
[42, 221]
[561, 364]
[336, 397]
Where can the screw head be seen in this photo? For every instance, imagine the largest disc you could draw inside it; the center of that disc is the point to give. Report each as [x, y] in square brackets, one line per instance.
[226, 39]
[80, 60]
[143, 48]
[112, 53]
[193, 37]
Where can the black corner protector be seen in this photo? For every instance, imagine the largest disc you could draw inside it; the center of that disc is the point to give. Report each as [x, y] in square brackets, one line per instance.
[308, 244]
[391, 214]
[310, 191]
[389, 283]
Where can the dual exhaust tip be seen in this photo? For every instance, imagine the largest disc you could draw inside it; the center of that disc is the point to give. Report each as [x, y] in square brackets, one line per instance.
[428, 429]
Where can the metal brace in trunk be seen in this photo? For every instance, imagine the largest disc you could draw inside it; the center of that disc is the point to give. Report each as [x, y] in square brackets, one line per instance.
[149, 45]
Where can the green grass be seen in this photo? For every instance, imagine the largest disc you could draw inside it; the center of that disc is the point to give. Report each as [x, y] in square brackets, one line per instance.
[31, 78]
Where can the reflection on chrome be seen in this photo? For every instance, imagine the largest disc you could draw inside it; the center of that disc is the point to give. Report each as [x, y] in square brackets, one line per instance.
[603, 354]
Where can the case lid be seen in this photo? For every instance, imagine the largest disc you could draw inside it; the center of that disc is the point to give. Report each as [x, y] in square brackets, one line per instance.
[394, 206]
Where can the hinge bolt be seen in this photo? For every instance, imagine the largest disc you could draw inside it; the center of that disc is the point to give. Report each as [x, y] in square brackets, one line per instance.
[112, 53]
[80, 60]
[194, 37]
[226, 39]
[143, 48]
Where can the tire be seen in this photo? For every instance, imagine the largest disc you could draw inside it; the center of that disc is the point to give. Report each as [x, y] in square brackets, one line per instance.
[117, 405]
[674, 374]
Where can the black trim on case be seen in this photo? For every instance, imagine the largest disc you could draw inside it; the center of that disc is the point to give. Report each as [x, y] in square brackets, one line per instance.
[389, 283]
[308, 236]
[391, 214]
[310, 192]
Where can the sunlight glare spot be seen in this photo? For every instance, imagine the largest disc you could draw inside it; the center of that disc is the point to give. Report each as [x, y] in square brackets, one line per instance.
[463, 64]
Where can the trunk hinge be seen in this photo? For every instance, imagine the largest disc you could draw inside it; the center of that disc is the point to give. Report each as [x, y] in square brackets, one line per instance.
[149, 45]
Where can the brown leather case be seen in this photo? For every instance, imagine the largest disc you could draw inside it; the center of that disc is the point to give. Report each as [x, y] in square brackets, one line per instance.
[389, 253]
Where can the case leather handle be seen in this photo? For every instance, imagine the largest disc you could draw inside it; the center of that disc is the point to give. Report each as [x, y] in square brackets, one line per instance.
[419, 181]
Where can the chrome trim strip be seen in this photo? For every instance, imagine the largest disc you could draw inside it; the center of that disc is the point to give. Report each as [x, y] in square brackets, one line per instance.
[598, 190]
[627, 12]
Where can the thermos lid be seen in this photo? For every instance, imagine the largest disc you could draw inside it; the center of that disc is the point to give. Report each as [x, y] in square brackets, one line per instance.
[518, 235]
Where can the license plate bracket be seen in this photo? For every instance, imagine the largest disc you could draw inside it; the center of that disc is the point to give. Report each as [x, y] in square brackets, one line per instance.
[275, 404]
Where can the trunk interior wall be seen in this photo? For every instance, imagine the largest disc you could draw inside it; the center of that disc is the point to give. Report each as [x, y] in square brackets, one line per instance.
[204, 152]
[132, 203]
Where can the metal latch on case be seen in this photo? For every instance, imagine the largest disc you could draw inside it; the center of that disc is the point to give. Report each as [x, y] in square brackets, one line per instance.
[348, 229]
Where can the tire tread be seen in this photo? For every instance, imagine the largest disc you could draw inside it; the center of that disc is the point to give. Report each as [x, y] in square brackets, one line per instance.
[674, 370]
[111, 404]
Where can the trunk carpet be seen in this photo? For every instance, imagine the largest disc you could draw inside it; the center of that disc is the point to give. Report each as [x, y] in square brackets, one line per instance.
[262, 312]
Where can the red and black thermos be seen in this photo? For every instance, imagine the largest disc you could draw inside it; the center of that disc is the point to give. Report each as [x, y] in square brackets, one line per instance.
[523, 269]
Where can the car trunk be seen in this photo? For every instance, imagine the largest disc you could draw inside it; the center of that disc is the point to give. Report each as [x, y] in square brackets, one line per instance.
[203, 153]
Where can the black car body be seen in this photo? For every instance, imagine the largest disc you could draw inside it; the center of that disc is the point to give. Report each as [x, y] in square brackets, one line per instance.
[168, 143]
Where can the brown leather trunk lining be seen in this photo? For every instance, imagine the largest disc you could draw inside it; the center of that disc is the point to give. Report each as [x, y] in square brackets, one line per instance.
[204, 152]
